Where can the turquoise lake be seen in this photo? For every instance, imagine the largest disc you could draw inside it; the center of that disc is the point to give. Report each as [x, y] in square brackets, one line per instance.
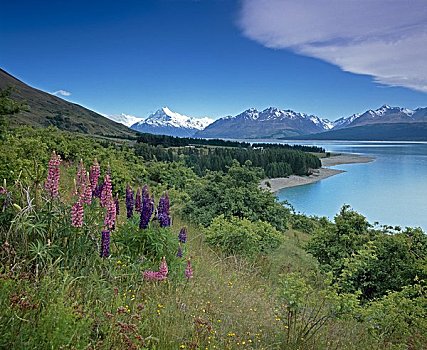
[391, 190]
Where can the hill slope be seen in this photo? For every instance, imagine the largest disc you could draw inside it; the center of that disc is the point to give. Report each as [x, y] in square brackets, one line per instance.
[45, 109]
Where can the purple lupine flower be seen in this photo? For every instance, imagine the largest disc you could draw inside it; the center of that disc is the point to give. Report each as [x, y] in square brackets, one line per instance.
[179, 253]
[182, 236]
[87, 196]
[110, 214]
[52, 181]
[77, 214]
[81, 175]
[138, 201]
[129, 202]
[117, 204]
[107, 191]
[189, 270]
[146, 212]
[105, 244]
[163, 211]
[95, 171]
[98, 190]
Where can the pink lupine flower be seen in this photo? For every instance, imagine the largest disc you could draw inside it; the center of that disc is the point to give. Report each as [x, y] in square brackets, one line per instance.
[77, 214]
[189, 270]
[106, 192]
[160, 275]
[163, 267]
[95, 170]
[153, 276]
[110, 215]
[87, 195]
[52, 181]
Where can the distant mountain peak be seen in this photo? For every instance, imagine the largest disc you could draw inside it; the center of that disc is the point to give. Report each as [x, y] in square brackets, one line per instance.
[165, 121]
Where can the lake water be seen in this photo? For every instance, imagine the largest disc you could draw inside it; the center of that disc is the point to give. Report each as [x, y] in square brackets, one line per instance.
[391, 190]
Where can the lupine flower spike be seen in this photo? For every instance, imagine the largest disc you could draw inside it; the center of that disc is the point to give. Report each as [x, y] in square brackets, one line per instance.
[189, 270]
[106, 192]
[146, 212]
[157, 275]
[179, 253]
[105, 244]
[129, 202]
[182, 236]
[87, 198]
[77, 214]
[110, 214]
[52, 181]
[95, 170]
[163, 211]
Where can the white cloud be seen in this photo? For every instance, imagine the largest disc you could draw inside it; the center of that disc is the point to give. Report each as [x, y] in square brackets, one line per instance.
[384, 39]
[61, 93]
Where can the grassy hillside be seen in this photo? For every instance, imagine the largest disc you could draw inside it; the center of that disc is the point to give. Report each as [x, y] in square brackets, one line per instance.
[374, 132]
[262, 277]
[45, 109]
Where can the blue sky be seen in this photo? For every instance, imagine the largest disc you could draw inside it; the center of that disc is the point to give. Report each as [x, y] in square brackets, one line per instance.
[215, 58]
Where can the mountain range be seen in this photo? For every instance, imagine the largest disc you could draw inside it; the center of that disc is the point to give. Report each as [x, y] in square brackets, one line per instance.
[385, 123]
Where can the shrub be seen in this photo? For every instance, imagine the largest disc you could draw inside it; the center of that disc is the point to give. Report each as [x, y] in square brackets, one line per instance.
[242, 237]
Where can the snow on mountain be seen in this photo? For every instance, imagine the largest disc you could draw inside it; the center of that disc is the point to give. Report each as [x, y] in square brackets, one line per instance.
[125, 119]
[271, 122]
[384, 114]
[166, 122]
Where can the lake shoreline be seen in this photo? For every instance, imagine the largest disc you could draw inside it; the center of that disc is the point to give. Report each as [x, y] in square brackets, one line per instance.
[324, 172]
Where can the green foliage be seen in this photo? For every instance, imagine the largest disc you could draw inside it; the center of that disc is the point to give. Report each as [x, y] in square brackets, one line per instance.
[234, 194]
[400, 318]
[146, 246]
[236, 236]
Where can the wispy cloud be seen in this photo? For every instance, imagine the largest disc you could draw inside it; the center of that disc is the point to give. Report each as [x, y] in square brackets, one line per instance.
[386, 39]
[61, 93]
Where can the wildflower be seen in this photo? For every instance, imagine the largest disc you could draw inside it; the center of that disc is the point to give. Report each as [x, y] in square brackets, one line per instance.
[95, 170]
[163, 267]
[77, 214]
[98, 190]
[163, 211]
[52, 181]
[189, 270]
[138, 202]
[182, 236]
[146, 212]
[129, 202]
[105, 244]
[179, 253]
[106, 192]
[110, 215]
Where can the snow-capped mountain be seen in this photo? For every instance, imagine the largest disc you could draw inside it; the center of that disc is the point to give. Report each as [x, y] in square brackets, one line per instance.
[125, 119]
[269, 123]
[166, 122]
[384, 114]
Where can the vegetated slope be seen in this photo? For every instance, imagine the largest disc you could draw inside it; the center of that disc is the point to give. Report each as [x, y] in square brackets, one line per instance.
[375, 132]
[45, 109]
